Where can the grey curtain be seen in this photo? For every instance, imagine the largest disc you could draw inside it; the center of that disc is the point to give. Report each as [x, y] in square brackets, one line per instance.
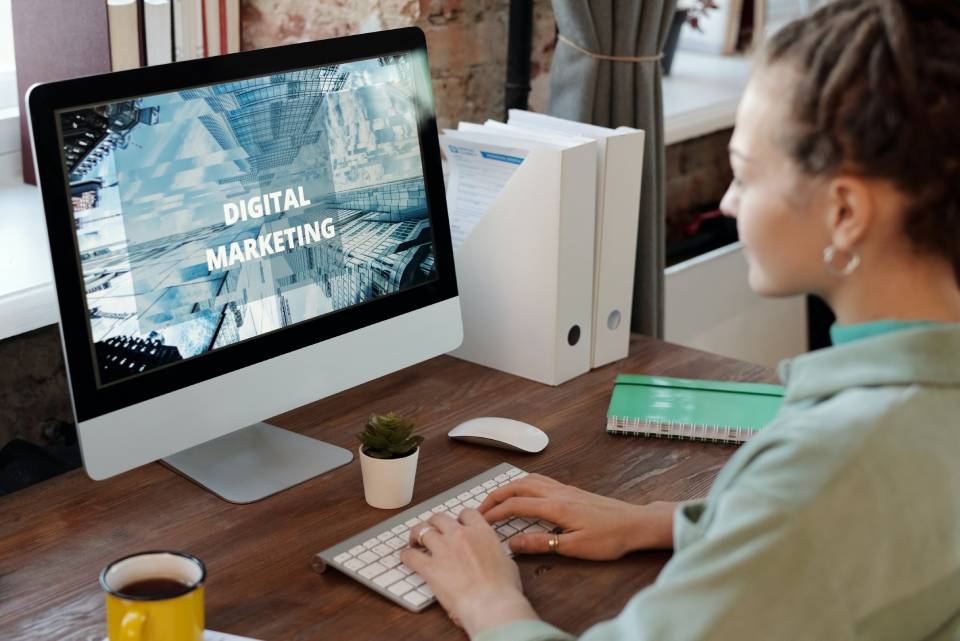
[614, 93]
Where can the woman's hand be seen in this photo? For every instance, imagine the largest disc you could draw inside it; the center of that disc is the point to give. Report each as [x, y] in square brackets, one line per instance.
[470, 574]
[594, 527]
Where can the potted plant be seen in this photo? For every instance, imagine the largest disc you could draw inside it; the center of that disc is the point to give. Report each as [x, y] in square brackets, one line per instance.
[388, 460]
[689, 12]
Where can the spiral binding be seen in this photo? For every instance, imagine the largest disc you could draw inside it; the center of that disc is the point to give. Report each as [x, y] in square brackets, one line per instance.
[625, 426]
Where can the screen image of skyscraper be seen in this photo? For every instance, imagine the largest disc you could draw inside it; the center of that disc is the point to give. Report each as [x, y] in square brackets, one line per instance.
[216, 214]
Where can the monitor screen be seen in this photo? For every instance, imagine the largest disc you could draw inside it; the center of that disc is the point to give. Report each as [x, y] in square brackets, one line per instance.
[215, 214]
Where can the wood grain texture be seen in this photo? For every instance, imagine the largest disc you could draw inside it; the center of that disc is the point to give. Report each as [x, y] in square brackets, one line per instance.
[57, 536]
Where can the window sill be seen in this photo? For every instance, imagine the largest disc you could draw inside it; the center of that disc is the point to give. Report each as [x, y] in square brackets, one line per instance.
[701, 94]
[27, 298]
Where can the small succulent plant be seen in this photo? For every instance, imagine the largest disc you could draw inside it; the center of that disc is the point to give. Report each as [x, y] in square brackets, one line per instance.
[389, 436]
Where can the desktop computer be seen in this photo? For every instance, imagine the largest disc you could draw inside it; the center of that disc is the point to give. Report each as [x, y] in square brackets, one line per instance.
[237, 236]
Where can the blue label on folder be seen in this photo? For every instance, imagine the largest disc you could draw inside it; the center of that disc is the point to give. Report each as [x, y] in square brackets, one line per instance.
[516, 160]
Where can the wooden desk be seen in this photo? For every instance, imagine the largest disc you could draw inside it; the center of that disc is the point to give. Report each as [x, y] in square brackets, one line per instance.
[57, 536]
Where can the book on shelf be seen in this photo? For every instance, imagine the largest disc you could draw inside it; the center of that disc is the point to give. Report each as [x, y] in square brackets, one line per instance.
[123, 24]
[158, 32]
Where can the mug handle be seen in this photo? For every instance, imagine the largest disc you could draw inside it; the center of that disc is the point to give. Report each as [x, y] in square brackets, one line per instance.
[131, 625]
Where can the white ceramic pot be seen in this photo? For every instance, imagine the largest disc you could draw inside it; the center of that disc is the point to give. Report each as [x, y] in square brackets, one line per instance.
[388, 483]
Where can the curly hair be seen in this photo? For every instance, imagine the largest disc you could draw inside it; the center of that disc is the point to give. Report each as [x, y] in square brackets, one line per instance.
[879, 96]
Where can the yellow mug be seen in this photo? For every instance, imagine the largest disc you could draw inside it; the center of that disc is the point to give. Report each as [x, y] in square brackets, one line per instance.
[154, 596]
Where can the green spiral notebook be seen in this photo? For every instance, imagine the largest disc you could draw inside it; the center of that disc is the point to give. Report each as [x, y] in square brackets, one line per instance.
[661, 406]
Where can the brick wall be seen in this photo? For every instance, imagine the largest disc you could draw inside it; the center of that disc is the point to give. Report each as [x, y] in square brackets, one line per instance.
[698, 173]
[466, 40]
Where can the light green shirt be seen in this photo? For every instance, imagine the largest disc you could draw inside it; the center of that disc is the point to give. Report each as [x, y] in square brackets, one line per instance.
[841, 520]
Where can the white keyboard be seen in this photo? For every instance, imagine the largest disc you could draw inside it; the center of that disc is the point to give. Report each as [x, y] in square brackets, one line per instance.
[373, 556]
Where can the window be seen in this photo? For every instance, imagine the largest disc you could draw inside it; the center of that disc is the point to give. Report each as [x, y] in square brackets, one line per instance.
[8, 80]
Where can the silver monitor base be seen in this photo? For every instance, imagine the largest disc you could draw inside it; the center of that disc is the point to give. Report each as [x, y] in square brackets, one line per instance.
[256, 462]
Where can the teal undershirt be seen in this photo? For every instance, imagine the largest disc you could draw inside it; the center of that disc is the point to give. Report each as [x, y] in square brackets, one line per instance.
[841, 334]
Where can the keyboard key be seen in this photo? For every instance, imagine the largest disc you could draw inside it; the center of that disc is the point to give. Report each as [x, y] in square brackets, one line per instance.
[388, 578]
[404, 569]
[464, 496]
[353, 564]
[396, 543]
[548, 525]
[415, 598]
[346, 556]
[512, 472]
[368, 557]
[425, 516]
[520, 475]
[371, 543]
[489, 484]
[519, 524]
[383, 550]
[357, 550]
[500, 478]
[507, 531]
[536, 527]
[400, 587]
[457, 510]
[481, 497]
[385, 535]
[472, 504]
[439, 508]
[415, 580]
[476, 490]
[505, 546]
[372, 570]
[411, 522]
[399, 530]
[426, 591]
[452, 502]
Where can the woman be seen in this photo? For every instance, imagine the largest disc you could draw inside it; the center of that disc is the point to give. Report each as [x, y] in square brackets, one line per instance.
[841, 520]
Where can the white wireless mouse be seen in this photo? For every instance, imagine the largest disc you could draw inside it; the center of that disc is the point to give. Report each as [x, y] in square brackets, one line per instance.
[505, 433]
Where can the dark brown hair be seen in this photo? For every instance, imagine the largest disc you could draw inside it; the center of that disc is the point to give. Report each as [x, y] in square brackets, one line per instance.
[879, 96]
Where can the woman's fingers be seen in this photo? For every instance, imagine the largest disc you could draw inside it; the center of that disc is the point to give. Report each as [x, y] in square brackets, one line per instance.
[416, 560]
[444, 523]
[532, 486]
[547, 509]
[539, 543]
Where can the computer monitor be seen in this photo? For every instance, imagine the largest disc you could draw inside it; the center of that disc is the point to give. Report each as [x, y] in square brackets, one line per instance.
[237, 236]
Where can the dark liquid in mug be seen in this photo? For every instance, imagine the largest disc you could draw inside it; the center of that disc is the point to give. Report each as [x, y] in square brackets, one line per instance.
[154, 588]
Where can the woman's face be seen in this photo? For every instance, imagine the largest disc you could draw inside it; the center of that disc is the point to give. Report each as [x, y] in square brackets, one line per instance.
[781, 213]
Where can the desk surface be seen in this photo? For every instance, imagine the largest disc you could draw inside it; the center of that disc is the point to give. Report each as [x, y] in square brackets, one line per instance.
[57, 536]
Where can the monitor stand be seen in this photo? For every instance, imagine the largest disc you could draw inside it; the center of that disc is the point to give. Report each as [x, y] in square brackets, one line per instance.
[256, 462]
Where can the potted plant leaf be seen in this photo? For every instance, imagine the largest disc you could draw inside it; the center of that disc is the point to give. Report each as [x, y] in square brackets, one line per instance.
[388, 460]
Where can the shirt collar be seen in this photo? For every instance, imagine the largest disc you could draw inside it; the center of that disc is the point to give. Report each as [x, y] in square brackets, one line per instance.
[921, 355]
[840, 334]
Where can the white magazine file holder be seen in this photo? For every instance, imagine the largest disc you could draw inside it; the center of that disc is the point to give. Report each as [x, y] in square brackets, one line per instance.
[525, 271]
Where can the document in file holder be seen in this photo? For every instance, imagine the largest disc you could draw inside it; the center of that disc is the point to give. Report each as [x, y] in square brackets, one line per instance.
[478, 174]
[619, 169]
[525, 255]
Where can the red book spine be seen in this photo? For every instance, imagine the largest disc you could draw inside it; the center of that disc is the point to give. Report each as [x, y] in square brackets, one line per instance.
[203, 25]
[223, 27]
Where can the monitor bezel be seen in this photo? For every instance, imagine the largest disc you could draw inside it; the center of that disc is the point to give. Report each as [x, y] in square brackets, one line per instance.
[45, 101]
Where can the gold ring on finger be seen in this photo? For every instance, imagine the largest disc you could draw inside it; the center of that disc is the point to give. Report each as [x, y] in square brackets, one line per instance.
[553, 543]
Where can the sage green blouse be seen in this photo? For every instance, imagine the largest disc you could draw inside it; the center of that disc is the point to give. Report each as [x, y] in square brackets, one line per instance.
[840, 520]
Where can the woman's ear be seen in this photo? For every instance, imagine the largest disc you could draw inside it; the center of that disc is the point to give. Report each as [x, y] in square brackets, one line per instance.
[851, 211]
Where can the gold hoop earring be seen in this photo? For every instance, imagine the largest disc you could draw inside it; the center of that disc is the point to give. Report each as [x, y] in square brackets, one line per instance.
[829, 256]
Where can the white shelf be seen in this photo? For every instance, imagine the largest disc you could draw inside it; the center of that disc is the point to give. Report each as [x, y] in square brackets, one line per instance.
[701, 94]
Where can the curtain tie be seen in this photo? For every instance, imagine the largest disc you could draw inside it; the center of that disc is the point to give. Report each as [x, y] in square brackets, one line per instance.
[603, 56]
